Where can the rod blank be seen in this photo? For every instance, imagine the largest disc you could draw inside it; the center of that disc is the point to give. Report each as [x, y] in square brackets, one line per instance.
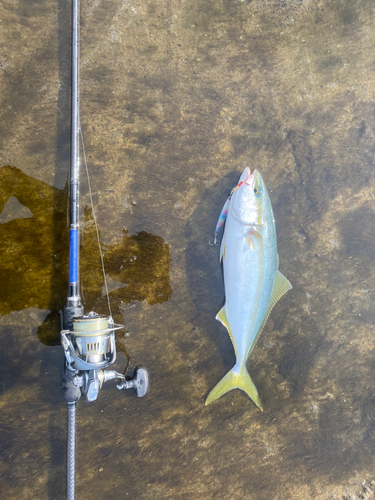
[74, 161]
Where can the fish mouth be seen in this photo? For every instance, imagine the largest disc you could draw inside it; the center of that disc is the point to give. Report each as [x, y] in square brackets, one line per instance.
[246, 177]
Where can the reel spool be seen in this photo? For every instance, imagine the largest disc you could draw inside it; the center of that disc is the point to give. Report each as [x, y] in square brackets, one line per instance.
[92, 339]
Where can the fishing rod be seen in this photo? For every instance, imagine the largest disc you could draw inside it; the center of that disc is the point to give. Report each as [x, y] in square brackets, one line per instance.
[88, 339]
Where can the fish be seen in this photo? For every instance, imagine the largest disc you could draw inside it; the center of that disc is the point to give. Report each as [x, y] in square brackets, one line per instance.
[252, 281]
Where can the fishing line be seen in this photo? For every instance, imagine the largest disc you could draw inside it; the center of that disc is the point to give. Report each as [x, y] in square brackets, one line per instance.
[94, 216]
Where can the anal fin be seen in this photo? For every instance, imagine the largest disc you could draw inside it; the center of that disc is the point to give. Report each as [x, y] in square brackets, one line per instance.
[222, 317]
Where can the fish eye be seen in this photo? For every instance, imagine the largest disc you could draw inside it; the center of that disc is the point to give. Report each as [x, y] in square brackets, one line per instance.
[258, 191]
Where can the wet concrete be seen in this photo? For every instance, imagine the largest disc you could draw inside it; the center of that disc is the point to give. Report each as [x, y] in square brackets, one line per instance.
[176, 99]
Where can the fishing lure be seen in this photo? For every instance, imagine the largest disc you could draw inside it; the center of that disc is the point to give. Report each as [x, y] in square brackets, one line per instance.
[221, 220]
[223, 215]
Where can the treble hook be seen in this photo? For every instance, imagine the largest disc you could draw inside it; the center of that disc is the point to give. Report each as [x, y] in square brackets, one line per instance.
[215, 240]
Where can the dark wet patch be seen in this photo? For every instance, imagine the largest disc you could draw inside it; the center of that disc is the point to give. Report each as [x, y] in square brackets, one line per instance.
[140, 262]
[34, 264]
[33, 268]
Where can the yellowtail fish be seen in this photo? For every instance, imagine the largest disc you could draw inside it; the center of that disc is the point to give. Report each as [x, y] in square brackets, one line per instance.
[253, 283]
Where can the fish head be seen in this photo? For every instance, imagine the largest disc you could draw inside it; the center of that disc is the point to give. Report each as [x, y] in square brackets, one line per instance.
[250, 200]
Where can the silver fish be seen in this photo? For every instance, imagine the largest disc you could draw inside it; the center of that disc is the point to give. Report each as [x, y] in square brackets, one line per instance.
[253, 283]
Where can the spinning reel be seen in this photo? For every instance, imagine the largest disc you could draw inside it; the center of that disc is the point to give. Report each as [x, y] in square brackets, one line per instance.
[89, 347]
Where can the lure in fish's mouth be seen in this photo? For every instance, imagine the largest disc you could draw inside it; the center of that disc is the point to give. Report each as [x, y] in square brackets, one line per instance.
[246, 199]
[250, 176]
[248, 179]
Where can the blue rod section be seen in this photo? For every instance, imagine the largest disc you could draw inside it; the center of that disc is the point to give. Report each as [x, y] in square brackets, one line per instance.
[73, 256]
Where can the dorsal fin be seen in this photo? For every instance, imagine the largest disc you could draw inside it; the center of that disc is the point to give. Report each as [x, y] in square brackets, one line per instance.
[222, 317]
[280, 287]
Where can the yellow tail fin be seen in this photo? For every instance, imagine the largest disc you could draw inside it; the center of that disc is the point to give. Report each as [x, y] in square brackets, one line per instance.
[235, 380]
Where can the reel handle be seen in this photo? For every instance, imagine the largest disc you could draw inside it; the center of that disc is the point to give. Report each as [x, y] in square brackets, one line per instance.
[139, 382]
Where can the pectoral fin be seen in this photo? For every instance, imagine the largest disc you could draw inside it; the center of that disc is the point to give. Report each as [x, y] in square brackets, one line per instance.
[250, 242]
[253, 233]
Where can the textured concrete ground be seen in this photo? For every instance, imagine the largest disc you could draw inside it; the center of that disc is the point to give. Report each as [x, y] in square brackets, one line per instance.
[177, 97]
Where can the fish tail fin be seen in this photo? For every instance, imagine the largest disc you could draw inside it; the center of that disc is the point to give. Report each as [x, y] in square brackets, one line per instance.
[235, 380]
